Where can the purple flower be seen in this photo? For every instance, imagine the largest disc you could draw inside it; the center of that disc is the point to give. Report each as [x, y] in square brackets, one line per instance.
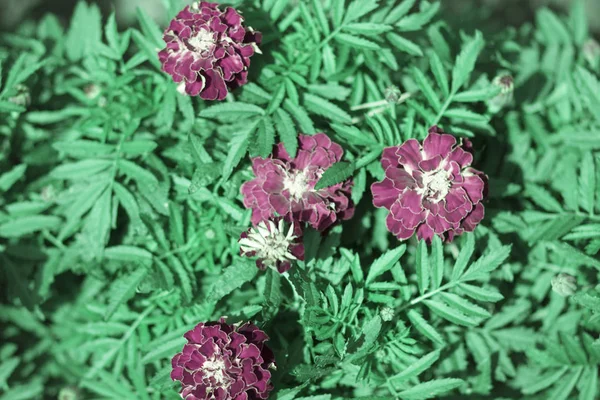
[208, 51]
[431, 188]
[285, 186]
[222, 361]
[272, 245]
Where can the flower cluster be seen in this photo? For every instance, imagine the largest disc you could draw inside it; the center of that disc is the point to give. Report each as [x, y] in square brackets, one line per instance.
[430, 189]
[222, 361]
[208, 50]
[284, 187]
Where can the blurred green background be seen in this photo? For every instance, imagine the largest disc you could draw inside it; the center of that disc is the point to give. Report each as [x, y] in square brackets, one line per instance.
[503, 11]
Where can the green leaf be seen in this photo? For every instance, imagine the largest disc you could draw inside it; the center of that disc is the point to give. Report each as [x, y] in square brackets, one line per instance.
[431, 389]
[237, 149]
[423, 268]
[6, 369]
[335, 174]
[232, 278]
[128, 253]
[150, 28]
[487, 263]
[384, 263]
[437, 262]
[439, 72]
[358, 8]
[8, 179]
[416, 368]
[404, 45]
[552, 27]
[465, 61]
[479, 293]
[232, 112]
[562, 391]
[464, 256]
[29, 224]
[465, 306]
[326, 109]
[356, 42]
[464, 114]
[587, 182]
[399, 11]
[366, 28]
[475, 95]
[287, 131]
[449, 313]
[265, 137]
[80, 169]
[123, 289]
[424, 327]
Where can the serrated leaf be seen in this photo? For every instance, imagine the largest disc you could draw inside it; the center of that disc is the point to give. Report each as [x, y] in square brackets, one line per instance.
[232, 278]
[232, 112]
[416, 368]
[8, 179]
[421, 324]
[486, 263]
[404, 44]
[29, 224]
[423, 268]
[465, 61]
[587, 182]
[431, 389]
[384, 263]
[287, 131]
[123, 289]
[449, 313]
[356, 42]
[437, 262]
[479, 293]
[464, 256]
[335, 174]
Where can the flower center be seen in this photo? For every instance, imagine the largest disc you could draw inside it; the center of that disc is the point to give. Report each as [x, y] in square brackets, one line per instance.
[202, 42]
[297, 184]
[436, 185]
[269, 243]
[214, 371]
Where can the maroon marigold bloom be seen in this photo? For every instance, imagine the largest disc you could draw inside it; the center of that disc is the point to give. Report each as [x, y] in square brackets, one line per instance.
[285, 186]
[224, 362]
[208, 51]
[431, 188]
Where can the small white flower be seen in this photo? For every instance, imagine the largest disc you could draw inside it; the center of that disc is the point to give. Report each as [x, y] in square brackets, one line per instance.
[564, 284]
[269, 242]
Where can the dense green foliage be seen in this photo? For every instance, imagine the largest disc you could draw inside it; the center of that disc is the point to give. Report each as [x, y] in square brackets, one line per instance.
[120, 209]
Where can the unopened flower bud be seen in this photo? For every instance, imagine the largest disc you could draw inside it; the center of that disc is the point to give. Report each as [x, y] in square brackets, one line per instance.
[564, 284]
[506, 84]
[68, 393]
[392, 94]
[386, 314]
[591, 52]
[22, 97]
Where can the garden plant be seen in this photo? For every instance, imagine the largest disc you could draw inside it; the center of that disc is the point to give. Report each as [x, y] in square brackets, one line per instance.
[300, 200]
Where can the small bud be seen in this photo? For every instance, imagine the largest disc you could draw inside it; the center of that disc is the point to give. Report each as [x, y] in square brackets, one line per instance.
[22, 97]
[564, 285]
[68, 393]
[392, 94]
[591, 52]
[386, 314]
[502, 99]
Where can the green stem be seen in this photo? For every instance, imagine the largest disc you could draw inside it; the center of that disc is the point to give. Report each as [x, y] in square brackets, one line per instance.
[444, 108]
[419, 299]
